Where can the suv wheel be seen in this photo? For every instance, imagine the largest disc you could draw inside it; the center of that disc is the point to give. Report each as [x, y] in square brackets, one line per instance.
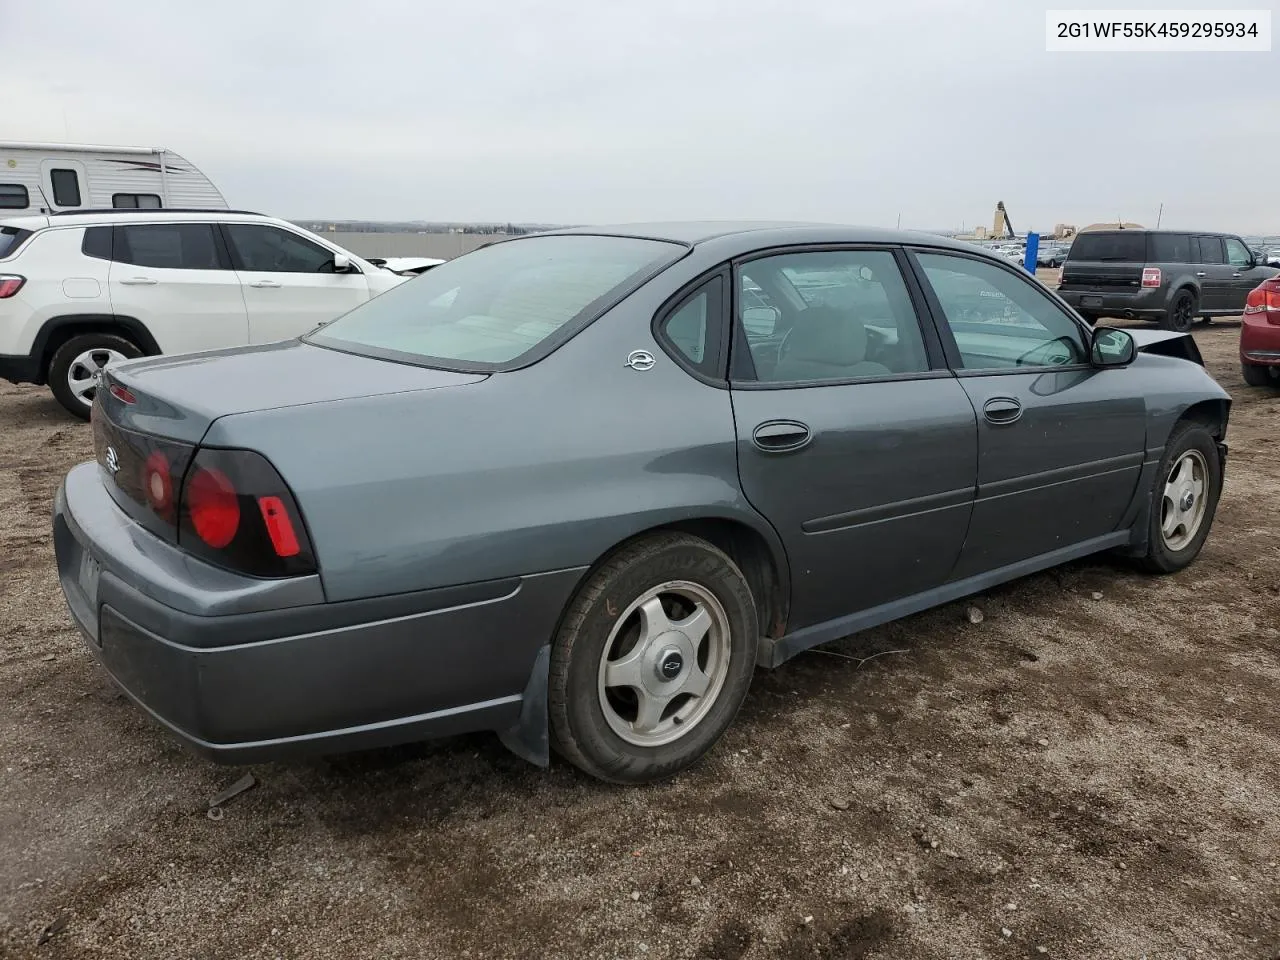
[76, 364]
[652, 661]
[1182, 312]
[1257, 375]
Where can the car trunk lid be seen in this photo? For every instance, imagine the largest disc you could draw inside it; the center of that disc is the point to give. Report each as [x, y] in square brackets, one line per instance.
[178, 397]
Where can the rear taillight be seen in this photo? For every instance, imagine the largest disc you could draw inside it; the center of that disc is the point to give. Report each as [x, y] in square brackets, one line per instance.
[10, 283]
[1264, 299]
[157, 484]
[236, 511]
[1151, 276]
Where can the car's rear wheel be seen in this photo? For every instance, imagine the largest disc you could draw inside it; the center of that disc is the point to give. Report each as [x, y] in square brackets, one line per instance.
[653, 660]
[75, 366]
[1182, 312]
[1185, 499]
[1257, 375]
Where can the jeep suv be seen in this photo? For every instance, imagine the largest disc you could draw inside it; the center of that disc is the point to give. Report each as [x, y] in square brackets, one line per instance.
[1168, 276]
[78, 291]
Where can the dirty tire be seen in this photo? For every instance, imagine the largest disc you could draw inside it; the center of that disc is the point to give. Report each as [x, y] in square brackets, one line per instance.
[581, 733]
[1182, 312]
[66, 354]
[1186, 436]
[1256, 375]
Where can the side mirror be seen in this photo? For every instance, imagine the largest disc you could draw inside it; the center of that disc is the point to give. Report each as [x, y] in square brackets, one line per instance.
[341, 263]
[760, 321]
[1112, 348]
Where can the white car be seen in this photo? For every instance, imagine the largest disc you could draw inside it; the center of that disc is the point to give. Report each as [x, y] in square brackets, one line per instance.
[78, 291]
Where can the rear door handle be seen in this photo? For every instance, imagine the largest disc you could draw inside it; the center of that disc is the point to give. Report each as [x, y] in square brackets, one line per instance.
[138, 281]
[264, 283]
[781, 436]
[1002, 410]
[1201, 273]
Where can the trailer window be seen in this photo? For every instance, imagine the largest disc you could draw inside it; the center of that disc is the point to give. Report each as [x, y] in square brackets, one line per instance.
[135, 201]
[13, 196]
[66, 187]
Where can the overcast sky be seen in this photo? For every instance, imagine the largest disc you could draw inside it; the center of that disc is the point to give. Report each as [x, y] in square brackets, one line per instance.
[597, 110]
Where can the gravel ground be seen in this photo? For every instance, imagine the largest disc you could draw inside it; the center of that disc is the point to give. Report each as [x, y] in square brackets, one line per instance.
[1091, 771]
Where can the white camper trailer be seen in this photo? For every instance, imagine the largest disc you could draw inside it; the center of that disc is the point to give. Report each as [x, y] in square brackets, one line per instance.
[37, 178]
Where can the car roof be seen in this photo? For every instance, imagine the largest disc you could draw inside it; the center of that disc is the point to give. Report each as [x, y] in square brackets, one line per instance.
[104, 218]
[755, 234]
[1144, 230]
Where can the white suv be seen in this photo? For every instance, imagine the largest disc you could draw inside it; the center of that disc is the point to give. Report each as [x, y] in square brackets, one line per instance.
[80, 290]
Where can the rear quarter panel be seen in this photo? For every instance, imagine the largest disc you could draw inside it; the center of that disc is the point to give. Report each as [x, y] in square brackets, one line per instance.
[534, 470]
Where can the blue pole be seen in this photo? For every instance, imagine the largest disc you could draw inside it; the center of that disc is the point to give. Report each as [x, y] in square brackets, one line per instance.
[1033, 249]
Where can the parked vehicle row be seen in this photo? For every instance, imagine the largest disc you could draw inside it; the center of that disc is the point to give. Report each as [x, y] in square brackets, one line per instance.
[575, 487]
[1167, 276]
[78, 291]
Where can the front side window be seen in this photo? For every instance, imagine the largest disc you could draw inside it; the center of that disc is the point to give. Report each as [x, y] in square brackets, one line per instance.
[495, 305]
[66, 187]
[828, 315]
[14, 196]
[1210, 250]
[135, 201]
[998, 319]
[1238, 254]
[172, 246]
[266, 249]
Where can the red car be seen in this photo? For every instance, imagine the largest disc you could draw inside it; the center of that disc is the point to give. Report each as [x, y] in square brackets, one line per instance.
[1260, 335]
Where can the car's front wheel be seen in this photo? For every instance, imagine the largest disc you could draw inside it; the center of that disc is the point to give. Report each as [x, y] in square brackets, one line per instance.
[74, 369]
[653, 660]
[1184, 500]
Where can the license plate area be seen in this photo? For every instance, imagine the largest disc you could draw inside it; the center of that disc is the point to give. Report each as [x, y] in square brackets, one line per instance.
[1090, 301]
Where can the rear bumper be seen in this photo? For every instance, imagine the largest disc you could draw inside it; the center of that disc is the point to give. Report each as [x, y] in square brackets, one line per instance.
[1147, 302]
[267, 683]
[1259, 341]
[19, 368]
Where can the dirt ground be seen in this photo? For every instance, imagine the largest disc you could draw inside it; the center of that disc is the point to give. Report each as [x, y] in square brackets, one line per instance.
[1092, 771]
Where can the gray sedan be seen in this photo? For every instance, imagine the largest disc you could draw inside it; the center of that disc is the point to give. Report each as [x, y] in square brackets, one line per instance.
[575, 487]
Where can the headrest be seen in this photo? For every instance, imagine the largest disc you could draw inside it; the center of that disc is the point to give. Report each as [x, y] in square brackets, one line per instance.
[825, 335]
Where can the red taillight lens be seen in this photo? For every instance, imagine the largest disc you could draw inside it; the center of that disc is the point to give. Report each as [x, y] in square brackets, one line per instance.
[1264, 299]
[213, 506]
[236, 512]
[1151, 276]
[279, 526]
[10, 283]
[123, 394]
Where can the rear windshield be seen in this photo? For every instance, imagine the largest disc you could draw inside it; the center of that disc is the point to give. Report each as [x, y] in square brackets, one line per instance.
[494, 306]
[1128, 246]
[10, 239]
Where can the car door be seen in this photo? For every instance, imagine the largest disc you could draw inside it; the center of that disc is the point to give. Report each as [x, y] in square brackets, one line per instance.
[1214, 274]
[1245, 274]
[854, 441]
[290, 286]
[1060, 443]
[176, 280]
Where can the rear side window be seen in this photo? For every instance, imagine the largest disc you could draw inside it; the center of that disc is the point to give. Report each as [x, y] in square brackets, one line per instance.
[11, 238]
[14, 196]
[1210, 250]
[173, 246]
[1170, 248]
[135, 201]
[1120, 246]
[693, 328]
[97, 242]
[66, 187]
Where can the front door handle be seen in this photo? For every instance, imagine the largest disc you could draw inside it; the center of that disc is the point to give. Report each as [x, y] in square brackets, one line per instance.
[1002, 410]
[1235, 276]
[781, 436]
[264, 283]
[138, 281]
